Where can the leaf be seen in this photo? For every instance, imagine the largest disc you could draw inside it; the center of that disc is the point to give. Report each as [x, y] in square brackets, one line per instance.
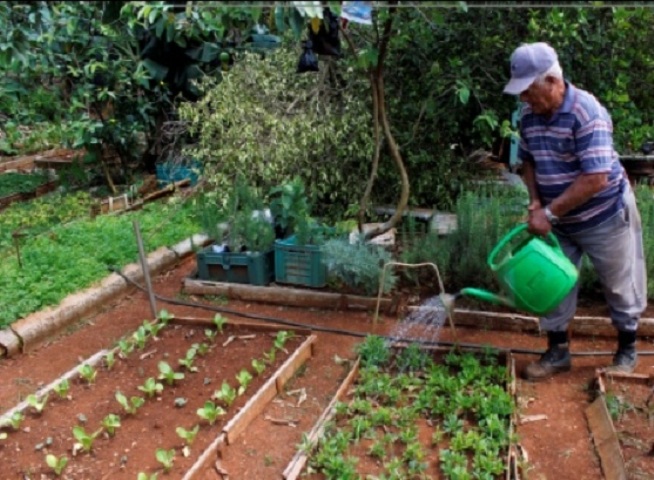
[280, 17]
[155, 69]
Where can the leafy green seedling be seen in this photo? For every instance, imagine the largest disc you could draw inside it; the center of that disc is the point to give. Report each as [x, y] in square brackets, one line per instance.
[210, 334]
[244, 378]
[165, 317]
[219, 321]
[126, 347]
[202, 348]
[57, 464]
[38, 404]
[145, 476]
[130, 406]
[109, 360]
[151, 387]
[210, 412]
[226, 394]
[281, 338]
[62, 388]
[165, 458]
[152, 328]
[140, 336]
[168, 374]
[270, 356]
[84, 440]
[188, 435]
[88, 373]
[110, 423]
[373, 351]
[187, 361]
[258, 366]
[14, 421]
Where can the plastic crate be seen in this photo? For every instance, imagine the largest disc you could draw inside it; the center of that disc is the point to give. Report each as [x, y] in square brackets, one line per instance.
[170, 172]
[255, 268]
[299, 264]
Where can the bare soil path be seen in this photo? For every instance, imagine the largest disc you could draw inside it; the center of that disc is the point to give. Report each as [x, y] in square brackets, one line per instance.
[558, 447]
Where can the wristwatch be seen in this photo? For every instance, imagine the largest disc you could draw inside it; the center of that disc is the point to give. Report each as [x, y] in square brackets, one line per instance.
[553, 219]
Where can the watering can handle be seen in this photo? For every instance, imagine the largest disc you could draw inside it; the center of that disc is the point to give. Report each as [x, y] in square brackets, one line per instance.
[513, 233]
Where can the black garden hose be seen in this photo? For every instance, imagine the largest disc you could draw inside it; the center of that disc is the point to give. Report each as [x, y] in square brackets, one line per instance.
[351, 333]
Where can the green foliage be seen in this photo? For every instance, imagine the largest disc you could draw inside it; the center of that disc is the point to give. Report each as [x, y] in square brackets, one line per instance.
[73, 256]
[248, 227]
[110, 423]
[167, 373]
[373, 351]
[57, 464]
[359, 266]
[166, 458]
[11, 183]
[38, 404]
[269, 125]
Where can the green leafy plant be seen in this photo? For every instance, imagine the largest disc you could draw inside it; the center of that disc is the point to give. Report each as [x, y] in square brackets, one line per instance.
[258, 366]
[413, 358]
[126, 347]
[145, 476]
[226, 394]
[62, 388]
[210, 334]
[358, 266]
[281, 338]
[219, 321]
[84, 439]
[130, 406]
[373, 351]
[140, 337]
[109, 360]
[210, 412]
[38, 404]
[151, 387]
[88, 373]
[110, 423]
[165, 316]
[270, 355]
[244, 378]
[188, 435]
[165, 458]
[57, 464]
[201, 348]
[14, 420]
[188, 360]
[168, 374]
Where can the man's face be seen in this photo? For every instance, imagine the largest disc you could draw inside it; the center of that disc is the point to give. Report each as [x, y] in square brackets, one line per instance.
[541, 97]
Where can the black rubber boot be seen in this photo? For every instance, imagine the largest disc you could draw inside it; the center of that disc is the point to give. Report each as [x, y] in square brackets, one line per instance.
[626, 358]
[555, 360]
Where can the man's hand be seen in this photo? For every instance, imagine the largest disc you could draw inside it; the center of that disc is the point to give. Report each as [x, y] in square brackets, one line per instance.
[538, 223]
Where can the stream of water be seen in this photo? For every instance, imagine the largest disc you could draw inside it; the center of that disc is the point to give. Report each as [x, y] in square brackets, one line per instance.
[423, 324]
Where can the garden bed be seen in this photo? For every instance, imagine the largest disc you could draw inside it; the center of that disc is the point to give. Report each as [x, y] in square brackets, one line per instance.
[247, 364]
[622, 422]
[422, 413]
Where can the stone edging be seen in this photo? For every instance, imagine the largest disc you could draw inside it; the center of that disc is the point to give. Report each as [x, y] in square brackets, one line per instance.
[27, 333]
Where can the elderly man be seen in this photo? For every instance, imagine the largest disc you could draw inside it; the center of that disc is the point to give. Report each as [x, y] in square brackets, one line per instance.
[579, 190]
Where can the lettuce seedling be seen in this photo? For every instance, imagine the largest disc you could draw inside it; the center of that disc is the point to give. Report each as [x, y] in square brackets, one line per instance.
[168, 374]
[210, 334]
[151, 387]
[258, 366]
[226, 394]
[84, 440]
[219, 321]
[244, 378]
[165, 317]
[130, 406]
[140, 336]
[57, 464]
[62, 388]
[165, 458]
[88, 373]
[109, 360]
[210, 412]
[37, 404]
[188, 435]
[152, 328]
[126, 347]
[281, 338]
[187, 361]
[145, 476]
[110, 423]
[14, 421]
[202, 348]
[270, 356]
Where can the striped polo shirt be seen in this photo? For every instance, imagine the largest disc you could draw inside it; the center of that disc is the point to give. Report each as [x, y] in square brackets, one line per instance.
[577, 139]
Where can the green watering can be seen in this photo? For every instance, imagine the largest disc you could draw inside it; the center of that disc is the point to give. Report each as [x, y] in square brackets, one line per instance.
[535, 273]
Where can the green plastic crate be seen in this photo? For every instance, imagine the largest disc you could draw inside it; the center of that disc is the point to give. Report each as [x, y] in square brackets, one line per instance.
[299, 264]
[255, 268]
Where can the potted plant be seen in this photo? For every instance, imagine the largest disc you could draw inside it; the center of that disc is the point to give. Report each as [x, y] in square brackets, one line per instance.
[244, 250]
[298, 247]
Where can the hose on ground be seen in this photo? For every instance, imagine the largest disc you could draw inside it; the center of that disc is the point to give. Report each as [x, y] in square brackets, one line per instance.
[340, 331]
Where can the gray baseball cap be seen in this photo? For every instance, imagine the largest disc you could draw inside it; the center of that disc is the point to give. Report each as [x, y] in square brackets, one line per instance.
[528, 61]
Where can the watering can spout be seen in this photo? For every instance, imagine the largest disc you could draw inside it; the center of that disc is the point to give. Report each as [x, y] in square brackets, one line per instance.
[486, 296]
